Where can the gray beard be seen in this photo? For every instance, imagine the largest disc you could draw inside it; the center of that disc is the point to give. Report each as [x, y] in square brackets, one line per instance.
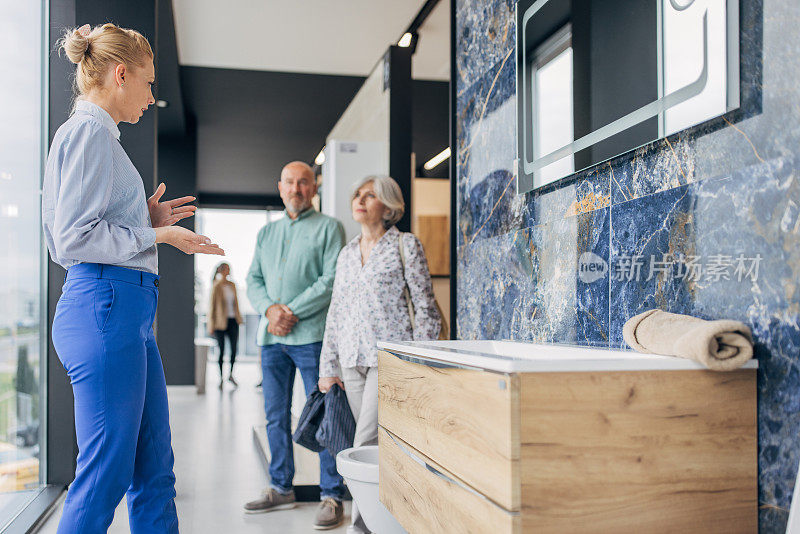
[294, 211]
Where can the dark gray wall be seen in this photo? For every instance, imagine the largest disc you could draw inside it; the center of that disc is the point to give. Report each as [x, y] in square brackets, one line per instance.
[400, 124]
[171, 120]
[177, 168]
[430, 125]
[175, 320]
[251, 123]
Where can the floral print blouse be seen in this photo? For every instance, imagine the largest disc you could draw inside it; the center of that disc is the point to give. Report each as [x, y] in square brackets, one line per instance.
[368, 303]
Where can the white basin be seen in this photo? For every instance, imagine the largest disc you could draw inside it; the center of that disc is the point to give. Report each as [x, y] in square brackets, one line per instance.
[515, 357]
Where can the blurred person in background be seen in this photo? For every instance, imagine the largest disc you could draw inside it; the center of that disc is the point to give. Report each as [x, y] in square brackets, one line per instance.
[224, 317]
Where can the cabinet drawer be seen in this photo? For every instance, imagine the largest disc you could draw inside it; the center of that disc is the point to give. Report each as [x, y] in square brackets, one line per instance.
[465, 420]
[427, 499]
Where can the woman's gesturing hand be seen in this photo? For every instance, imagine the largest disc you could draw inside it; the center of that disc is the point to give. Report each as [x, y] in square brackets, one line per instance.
[187, 241]
[168, 212]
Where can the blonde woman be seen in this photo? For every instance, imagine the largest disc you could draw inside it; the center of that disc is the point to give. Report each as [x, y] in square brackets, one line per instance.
[369, 304]
[99, 226]
[224, 317]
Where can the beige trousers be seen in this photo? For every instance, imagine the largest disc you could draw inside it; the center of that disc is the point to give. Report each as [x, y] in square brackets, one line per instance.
[361, 387]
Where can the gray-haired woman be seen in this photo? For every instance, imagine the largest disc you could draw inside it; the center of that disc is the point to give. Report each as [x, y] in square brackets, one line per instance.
[369, 304]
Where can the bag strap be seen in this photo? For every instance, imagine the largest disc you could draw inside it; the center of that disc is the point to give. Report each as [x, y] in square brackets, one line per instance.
[406, 292]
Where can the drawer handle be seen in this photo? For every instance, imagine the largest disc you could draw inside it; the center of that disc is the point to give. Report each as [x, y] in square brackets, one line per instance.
[432, 363]
[441, 475]
[429, 467]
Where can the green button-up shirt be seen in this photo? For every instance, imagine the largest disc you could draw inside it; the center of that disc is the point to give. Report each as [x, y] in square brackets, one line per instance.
[294, 264]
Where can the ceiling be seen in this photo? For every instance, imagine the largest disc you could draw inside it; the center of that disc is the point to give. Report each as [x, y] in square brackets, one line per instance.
[344, 37]
[432, 57]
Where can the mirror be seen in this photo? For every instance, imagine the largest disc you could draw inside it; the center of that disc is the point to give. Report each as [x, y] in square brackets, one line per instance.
[599, 78]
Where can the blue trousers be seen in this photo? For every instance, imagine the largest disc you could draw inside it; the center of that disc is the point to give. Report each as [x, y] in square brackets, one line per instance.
[278, 364]
[103, 334]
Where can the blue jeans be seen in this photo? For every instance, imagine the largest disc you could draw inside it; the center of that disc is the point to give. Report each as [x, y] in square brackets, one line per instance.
[103, 334]
[278, 364]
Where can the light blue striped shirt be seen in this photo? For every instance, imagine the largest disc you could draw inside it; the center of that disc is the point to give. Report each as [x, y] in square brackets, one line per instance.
[93, 203]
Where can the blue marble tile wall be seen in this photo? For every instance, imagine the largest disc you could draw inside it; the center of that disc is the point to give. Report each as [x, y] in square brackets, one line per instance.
[728, 196]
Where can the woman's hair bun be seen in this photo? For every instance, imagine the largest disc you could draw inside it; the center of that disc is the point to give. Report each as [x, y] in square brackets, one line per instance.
[75, 45]
[96, 50]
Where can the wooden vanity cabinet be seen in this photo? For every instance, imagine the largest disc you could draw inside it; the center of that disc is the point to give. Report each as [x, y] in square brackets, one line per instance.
[470, 450]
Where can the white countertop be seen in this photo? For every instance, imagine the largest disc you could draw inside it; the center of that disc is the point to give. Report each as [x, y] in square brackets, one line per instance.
[513, 357]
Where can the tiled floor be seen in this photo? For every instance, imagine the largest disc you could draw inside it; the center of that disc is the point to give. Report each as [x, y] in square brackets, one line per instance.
[216, 465]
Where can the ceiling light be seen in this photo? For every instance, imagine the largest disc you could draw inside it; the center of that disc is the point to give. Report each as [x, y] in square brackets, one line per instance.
[5, 175]
[320, 159]
[405, 40]
[437, 159]
[162, 103]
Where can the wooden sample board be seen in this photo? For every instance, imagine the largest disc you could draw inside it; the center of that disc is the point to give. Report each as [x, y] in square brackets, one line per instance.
[433, 232]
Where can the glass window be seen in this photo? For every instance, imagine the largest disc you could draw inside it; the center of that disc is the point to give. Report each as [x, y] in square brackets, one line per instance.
[551, 84]
[238, 230]
[22, 350]
[683, 62]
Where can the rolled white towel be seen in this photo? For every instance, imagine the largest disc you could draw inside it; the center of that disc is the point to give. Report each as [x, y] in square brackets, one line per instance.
[722, 345]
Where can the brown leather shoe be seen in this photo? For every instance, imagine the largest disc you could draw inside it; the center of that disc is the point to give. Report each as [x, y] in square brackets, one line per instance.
[329, 514]
[269, 501]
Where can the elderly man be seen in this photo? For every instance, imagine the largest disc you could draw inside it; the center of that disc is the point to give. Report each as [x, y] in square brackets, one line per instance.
[290, 283]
